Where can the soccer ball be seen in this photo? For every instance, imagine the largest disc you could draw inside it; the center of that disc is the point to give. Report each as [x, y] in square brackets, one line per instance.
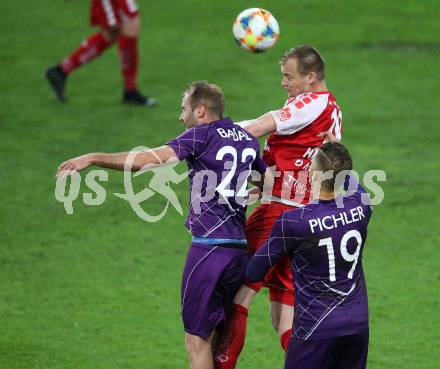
[256, 30]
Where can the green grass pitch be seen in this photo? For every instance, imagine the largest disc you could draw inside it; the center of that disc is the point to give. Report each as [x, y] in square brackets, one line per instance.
[100, 288]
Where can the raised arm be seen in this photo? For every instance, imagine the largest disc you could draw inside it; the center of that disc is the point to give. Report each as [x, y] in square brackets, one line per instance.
[142, 159]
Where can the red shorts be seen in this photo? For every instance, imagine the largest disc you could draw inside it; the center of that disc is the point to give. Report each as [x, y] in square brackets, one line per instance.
[111, 13]
[279, 278]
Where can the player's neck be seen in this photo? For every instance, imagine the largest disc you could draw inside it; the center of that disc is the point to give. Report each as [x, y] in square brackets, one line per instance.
[207, 119]
[318, 87]
[327, 195]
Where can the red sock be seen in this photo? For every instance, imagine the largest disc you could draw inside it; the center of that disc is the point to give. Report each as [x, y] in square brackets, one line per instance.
[285, 338]
[227, 355]
[128, 53]
[89, 50]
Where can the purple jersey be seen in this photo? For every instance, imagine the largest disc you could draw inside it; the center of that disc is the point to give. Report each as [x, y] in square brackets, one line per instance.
[325, 244]
[220, 156]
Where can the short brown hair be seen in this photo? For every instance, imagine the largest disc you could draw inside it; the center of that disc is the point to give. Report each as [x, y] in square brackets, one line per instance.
[208, 95]
[308, 58]
[333, 156]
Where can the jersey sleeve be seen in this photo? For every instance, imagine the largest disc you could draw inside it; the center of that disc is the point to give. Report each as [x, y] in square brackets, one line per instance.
[278, 244]
[189, 144]
[299, 113]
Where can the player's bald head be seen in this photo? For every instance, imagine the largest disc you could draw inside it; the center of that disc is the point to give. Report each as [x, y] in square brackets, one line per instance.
[308, 60]
[207, 94]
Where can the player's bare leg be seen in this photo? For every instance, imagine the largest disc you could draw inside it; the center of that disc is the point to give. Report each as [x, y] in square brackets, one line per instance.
[233, 341]
[281, 316]
[244, 296]
[282, 319]
[199, 352]
[131, 26]
[128, 51]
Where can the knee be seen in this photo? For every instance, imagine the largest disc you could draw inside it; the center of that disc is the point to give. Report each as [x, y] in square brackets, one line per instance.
[244, 296]
[112, 33]
[282, 317]
[194, 344]
[188, 344]
[131, 27]
[190, 349]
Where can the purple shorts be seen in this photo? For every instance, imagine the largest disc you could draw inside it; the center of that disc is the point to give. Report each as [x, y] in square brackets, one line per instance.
[345, 352]
[211, 278]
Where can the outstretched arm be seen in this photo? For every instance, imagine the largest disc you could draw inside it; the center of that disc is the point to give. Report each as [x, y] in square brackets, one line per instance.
[142, 159]
[260, 126]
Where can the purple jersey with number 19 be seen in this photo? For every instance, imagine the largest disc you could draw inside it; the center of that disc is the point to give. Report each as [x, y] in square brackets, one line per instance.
[220, 156]
[325, 244]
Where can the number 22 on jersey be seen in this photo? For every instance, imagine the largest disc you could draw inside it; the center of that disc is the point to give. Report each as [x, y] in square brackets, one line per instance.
[223, 188]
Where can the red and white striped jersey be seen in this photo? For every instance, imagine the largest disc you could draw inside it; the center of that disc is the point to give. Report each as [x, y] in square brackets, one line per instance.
[291, 148]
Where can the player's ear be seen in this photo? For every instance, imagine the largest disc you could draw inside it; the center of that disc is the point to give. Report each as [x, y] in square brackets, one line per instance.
[311, 78]
[199, 111]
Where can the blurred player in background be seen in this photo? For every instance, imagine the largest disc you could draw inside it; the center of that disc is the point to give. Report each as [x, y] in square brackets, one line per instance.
[119, 21]
[325, 243]
[220, 156]
[296, 131]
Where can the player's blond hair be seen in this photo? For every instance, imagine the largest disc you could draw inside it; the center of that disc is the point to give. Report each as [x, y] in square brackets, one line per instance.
[207, 94]
[308, 58]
